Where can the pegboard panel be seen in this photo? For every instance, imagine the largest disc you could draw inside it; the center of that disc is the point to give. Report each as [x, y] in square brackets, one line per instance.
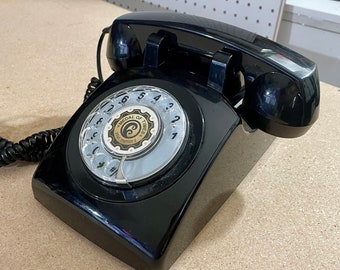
[259, 16]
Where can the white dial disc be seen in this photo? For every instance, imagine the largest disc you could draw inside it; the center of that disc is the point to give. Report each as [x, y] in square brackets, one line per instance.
[133, 134]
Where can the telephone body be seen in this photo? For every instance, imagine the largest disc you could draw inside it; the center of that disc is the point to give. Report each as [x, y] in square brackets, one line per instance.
[132, 170]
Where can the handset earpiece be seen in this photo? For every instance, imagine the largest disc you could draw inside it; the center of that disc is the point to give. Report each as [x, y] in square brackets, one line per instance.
[123, 48]
[275, 104]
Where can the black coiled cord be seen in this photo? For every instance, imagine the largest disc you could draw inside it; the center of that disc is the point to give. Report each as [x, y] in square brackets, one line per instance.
[91, 87]
[34, 147]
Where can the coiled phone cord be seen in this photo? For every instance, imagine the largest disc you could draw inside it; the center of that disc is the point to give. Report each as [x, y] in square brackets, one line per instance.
[34, 147]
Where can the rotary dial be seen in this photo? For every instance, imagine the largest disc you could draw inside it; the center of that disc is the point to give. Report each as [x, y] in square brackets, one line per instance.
[133, 134]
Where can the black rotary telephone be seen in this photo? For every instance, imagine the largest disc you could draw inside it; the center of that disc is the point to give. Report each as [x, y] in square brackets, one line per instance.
[131, 168]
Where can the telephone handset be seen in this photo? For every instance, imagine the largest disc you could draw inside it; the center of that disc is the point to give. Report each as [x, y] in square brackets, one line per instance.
[127, 169]
[281, 87]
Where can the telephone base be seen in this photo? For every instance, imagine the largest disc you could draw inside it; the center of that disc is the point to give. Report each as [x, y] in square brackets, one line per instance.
[239, 154]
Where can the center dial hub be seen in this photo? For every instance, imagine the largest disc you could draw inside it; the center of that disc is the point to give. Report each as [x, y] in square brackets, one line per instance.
[131, 130]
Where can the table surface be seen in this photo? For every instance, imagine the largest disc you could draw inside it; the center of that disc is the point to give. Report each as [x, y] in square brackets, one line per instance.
[284, 215]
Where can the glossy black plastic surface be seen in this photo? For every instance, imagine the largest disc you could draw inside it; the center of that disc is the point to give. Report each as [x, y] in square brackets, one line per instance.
[258, 60]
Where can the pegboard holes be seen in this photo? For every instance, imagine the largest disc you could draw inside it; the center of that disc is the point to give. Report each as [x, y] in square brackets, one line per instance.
[258, 16]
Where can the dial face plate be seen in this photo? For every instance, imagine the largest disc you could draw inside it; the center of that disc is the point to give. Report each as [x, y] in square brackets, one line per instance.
[133, 134]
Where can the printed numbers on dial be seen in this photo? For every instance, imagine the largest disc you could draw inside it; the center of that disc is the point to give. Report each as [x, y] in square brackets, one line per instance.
[133, 134]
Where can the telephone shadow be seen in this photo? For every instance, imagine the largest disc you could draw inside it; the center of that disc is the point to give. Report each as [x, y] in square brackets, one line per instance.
[19, 127]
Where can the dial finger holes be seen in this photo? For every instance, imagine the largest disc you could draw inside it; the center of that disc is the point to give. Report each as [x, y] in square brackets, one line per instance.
[143, 125]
